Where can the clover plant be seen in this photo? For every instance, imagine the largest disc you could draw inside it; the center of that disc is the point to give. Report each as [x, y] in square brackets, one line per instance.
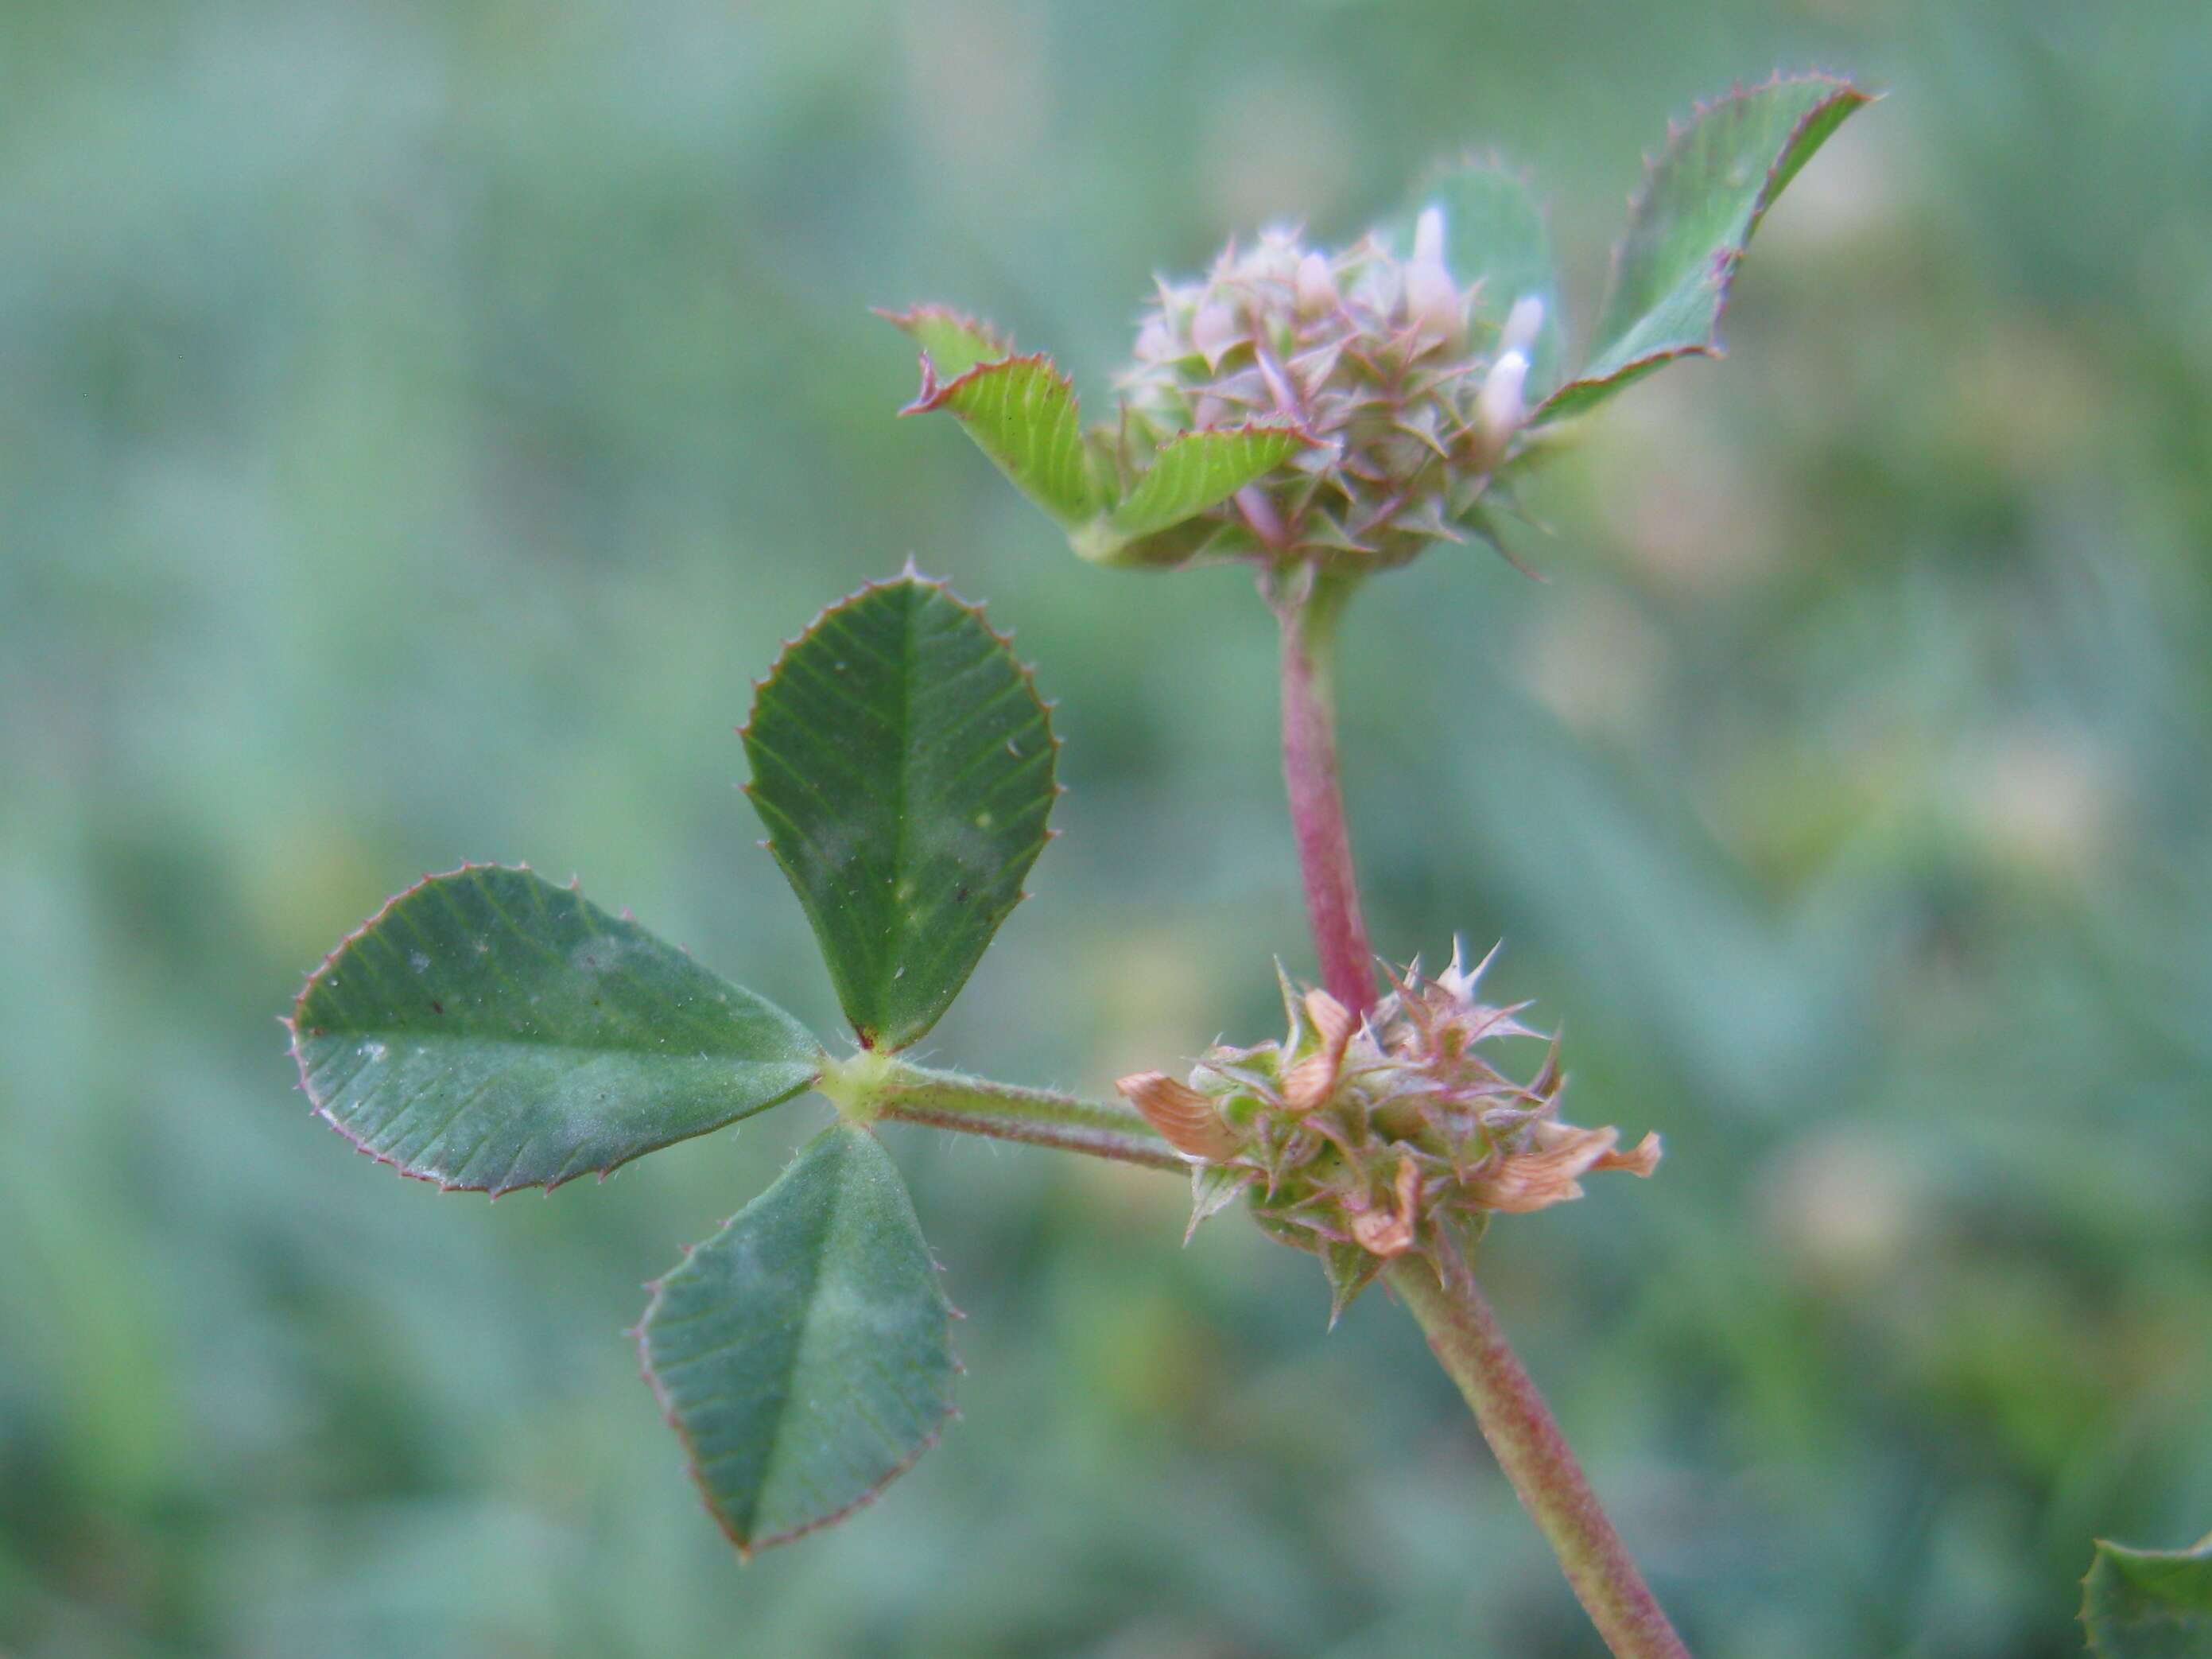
[1320, 417]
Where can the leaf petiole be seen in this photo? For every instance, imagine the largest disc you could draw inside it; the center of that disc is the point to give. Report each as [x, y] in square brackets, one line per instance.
[869, 1086]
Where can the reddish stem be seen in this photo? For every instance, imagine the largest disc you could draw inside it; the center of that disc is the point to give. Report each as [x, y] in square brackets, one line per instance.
[1443, 1295]
[1534, 1454]
[1308, 619]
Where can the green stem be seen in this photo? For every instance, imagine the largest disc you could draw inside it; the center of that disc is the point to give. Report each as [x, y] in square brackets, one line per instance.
[976, 1106]
[1534, 1455]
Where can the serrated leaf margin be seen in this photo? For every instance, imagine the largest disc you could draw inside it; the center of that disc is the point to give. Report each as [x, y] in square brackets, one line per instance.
[1578, 392]
[1027, 672]
[936, 393]
[292, 1031]
[747, 1548]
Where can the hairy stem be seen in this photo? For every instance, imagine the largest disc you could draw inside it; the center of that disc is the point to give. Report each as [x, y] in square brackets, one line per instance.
[1534, 1455]
[950, 1100]
[1309, 620]
[1443, 1296]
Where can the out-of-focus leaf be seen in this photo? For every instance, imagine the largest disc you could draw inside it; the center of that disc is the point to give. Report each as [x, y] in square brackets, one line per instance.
[1701, 201]
[955, 343]
[903, 766]
[2150, 1604]
[1022, 412]
[804, 1353]
[489, 1031]
[1495, 237]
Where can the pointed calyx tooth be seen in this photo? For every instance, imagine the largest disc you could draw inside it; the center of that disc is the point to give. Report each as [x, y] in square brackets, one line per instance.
[1259, 512]
[1280, 392]
[1215, 330]
[1179, 1112]
[1313, 1080]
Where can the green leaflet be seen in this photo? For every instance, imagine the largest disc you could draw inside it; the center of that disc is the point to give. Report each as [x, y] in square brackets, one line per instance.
[955, 343]
[2150, 1604]
[903, 766]
[1021, 412]
[804, 1353]
[1191, 473]
[489, 1031]
[1702, 200]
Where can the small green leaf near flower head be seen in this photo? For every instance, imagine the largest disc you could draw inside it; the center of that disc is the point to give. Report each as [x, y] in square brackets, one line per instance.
[1022, 413]
[953, 342]
[489, 1031]
[2149, 1604]
[1191, 474]
[1688, 226]
[1195, 470]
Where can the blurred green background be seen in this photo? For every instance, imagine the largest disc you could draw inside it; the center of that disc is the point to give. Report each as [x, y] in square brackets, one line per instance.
[422, 421]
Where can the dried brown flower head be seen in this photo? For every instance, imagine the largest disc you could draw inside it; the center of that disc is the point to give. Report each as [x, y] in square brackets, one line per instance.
[1356, 1139]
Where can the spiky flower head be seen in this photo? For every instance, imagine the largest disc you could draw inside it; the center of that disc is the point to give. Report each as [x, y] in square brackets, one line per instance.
[1358, 1139]
[1337, 412]
[1412, 398]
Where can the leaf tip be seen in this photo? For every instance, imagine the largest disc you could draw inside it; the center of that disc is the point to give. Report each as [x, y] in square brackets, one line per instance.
[920, 316]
